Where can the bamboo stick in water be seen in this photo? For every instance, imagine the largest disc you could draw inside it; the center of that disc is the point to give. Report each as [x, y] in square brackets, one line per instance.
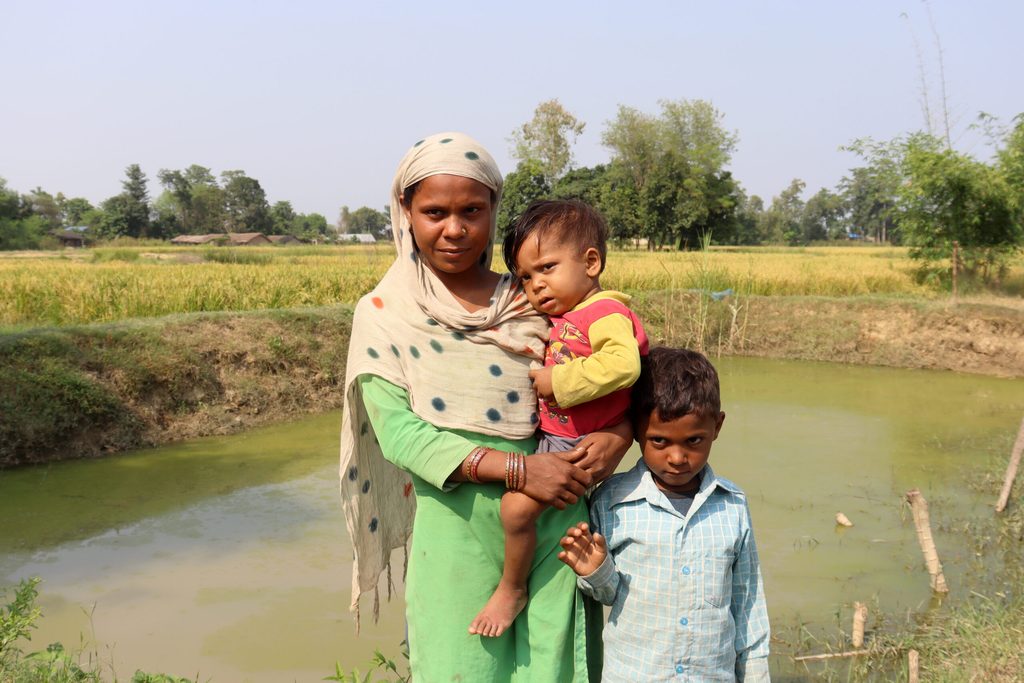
[860, 616]
[1011, 469]
[919, 507]
[913, 663]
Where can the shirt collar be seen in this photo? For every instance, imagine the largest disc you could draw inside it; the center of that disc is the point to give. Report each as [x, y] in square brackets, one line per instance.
[639, 485]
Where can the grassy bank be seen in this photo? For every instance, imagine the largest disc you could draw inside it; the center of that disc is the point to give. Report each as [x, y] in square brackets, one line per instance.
[95, 389]
[82, 391]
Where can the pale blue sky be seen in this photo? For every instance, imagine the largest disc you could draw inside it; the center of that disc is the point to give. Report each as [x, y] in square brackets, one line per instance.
[319, 100]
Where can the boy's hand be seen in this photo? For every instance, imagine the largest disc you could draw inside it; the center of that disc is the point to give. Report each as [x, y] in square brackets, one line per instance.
[542, 383]
[583, 552]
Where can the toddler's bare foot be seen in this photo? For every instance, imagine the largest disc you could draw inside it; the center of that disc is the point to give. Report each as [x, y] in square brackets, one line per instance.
[500, 611]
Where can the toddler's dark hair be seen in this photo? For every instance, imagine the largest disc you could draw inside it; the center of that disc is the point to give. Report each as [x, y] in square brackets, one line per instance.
[675, 382]
[569, 221]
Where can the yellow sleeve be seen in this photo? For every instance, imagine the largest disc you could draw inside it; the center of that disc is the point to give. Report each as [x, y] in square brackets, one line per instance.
[613, 364]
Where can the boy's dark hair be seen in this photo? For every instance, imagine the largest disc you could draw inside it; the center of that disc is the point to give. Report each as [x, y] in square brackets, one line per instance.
[675, 382]
[569, 221]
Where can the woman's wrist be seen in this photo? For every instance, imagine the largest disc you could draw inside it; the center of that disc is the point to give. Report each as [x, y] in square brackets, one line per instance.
[486, 465]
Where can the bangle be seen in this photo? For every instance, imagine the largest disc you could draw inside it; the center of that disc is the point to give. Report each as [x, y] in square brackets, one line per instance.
[515, 471]
[475, 465]
[472, 463]
[508, 470]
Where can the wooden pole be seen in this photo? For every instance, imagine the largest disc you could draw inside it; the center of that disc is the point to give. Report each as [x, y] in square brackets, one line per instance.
[860, 616]
[913, 664]
[956, 259]
[919, 506]
[831, 655]
[1011, 469]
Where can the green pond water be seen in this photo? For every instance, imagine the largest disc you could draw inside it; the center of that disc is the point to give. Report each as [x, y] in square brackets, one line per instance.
[227, 558]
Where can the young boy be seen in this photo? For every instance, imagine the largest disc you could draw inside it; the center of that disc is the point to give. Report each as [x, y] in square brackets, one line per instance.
[675, 556]
[557, 248]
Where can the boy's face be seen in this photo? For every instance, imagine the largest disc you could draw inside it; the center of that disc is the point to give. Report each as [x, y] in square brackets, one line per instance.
[677, 450]
[557, 277]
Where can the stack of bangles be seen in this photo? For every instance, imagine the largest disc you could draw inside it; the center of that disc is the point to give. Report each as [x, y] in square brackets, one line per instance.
[515, 468]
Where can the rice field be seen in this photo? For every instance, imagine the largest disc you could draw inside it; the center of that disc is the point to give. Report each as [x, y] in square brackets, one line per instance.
[108, 284]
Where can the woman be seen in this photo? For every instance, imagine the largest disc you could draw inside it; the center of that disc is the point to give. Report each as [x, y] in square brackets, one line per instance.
[437, 368]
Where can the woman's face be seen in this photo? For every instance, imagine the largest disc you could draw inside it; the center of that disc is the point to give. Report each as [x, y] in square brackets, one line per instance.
[451, 223]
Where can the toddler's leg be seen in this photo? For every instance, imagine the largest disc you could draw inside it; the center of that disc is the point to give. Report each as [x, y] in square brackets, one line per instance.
[519, 515]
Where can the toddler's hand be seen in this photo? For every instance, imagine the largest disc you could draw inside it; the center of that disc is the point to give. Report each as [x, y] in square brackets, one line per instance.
[583, 552]
[542, 383]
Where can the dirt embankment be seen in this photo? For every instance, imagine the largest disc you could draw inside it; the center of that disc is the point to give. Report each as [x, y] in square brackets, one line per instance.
[87, 391]
[979, 338]
[91, 390]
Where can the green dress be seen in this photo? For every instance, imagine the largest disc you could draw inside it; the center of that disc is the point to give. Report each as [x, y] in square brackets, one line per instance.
[456, 559]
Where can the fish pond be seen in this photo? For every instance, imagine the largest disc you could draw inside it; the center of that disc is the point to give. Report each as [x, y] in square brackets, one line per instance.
[227, 559]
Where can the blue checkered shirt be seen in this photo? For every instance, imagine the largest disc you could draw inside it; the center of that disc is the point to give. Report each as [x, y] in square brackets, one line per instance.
[686, 592]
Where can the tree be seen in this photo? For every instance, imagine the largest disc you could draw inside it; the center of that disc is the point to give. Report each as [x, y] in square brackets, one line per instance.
[1010, 159]
[73, 211]
[523, 186]
[949, 196]
[749, 211]
[19, 228]
[282, 217]
[245, 203]
[344, 217]
[823, 217]
[165, 216]
[620, 204]
[136, 202]
[781, 222]
[198, 200]
[114, 219]
[870, 191]
[10, 204]
[547, 139]
[312, 226]
[43, 204]
[367, 221]
[676, 162]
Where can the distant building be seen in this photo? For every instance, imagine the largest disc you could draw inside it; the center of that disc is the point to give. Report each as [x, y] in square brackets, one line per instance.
[284, 239]
[69, 238]
[215, 238]
[247, 239]
[359, 238]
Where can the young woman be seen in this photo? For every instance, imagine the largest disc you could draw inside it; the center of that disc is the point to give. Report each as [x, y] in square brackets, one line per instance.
[437, 384]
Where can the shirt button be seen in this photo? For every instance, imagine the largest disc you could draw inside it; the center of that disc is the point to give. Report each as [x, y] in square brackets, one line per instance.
[686, 571]
[679, 668]
[684, 621]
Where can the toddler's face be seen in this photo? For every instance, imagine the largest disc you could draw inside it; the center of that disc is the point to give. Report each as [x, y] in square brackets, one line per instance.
[677, 450]
[557, 277]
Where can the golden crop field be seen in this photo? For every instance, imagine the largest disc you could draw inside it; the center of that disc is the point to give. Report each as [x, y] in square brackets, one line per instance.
[107, 284]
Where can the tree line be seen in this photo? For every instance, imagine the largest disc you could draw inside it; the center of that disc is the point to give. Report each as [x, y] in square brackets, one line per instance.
[666, 184]
[193, 201]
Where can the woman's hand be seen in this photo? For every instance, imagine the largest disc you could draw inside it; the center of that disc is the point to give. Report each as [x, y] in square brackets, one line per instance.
[602, 450]
[552, 479]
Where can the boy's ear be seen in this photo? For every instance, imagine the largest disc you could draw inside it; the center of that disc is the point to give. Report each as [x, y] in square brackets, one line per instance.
[592, 257]
[718, 423]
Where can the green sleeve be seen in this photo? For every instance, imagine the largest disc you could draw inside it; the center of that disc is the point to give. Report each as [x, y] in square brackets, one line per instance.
[406, 439]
